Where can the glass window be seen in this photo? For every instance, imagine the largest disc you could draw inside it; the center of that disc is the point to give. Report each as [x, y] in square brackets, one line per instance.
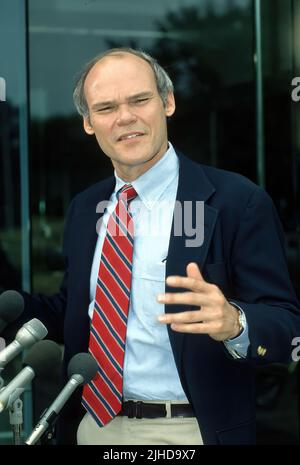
[214, 88]
[208, 49]
[14, 214]
[279, 114]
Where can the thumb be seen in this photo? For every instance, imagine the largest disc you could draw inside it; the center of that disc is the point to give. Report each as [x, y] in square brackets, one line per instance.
[193, 271]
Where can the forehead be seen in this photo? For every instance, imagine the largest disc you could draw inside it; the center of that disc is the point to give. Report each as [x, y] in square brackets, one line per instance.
[119, 74]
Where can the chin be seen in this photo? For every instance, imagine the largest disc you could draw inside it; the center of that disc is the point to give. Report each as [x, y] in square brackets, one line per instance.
[133, 159]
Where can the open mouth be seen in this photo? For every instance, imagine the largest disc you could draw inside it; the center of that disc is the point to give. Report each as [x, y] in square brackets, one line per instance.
[130, 136]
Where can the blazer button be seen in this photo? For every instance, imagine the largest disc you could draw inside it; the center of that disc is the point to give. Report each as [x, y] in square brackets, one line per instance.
[261, 351]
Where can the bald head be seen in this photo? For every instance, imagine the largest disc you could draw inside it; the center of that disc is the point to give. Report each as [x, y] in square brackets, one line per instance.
[162, 79]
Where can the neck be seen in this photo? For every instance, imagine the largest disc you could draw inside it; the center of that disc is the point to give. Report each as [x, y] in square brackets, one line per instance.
[130, 173]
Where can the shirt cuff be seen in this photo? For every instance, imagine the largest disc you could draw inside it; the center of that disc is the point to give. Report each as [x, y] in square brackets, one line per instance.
[238, 346]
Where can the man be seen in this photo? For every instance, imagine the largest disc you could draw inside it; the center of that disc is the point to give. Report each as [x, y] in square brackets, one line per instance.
[180, 364]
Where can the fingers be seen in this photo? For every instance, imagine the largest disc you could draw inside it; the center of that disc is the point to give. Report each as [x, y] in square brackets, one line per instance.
[193, 281]
[215, 328]
[187, 317]
[208, 317]
[193, 271]
[210, 328]
[196, 328]
[193, 284]
[184, 298]
[210, 298]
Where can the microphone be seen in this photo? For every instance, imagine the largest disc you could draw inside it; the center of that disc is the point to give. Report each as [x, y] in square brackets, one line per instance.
[81, 370]
[39, 359]
[44, 355]
[28, 334]
[11, 306]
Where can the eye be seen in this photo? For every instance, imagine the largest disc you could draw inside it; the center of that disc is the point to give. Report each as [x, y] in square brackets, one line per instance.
[106, 109]
[141, 100]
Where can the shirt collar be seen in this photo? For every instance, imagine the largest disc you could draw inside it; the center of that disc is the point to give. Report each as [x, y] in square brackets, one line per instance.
[146, 185]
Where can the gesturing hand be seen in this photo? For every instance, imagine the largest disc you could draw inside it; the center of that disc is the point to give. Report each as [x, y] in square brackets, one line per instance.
[215, 316]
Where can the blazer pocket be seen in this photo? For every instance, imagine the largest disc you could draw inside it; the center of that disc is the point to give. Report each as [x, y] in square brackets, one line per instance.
[217, 274]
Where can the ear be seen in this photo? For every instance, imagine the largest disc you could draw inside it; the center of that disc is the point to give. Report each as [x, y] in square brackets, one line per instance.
[170, 104]
[88, 126]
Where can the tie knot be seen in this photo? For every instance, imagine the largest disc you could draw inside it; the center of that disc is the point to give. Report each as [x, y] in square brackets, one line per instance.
[127, 193]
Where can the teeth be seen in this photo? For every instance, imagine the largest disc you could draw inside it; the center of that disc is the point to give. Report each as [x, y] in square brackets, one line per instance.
[131, 136]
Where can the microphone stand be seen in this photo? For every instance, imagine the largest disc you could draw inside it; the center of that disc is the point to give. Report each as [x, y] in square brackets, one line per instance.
[15, 406]
[16, 420]
[15, 413]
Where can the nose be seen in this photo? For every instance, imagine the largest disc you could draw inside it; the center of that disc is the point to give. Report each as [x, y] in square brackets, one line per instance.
[125, 115]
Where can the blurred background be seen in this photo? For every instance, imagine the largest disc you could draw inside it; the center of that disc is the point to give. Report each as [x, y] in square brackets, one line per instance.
[232, 63]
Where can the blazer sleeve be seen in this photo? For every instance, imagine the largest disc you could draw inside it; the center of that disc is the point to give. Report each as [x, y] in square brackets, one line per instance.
[261, 282]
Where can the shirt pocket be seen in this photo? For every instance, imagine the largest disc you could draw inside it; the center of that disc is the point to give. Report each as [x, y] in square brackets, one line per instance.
[149, 282]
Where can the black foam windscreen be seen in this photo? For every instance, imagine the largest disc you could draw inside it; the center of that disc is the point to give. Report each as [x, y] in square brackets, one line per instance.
[43, 357]
[11, 306]
[83, 364]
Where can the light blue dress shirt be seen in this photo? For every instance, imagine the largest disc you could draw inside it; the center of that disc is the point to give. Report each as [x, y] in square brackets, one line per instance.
[149, 367]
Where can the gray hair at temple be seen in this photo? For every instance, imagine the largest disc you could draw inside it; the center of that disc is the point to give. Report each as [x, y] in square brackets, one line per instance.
[163, 81]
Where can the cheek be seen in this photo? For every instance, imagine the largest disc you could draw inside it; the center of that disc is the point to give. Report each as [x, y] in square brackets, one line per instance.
[103, 132]
[160, 126]
[156, 123]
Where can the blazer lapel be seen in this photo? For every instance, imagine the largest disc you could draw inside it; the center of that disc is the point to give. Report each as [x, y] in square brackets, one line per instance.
[193, 186]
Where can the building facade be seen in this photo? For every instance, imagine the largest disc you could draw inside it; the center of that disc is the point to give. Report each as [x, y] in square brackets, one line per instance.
[234, 64]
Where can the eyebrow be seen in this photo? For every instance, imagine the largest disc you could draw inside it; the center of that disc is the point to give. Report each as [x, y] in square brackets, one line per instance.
[146, 94]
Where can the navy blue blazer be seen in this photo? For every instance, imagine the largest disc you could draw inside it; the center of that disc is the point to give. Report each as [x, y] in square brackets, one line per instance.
[242, 253]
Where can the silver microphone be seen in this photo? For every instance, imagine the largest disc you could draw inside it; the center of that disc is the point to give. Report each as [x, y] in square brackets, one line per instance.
[15, 388]
[39, 359]
[81, 370]
[30, 333]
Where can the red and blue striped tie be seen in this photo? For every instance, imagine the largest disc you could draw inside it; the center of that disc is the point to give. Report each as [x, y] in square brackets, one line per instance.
[102, 397]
